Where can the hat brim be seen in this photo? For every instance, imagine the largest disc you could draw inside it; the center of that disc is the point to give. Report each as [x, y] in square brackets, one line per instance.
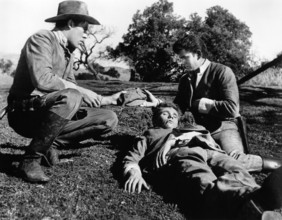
[87, 18]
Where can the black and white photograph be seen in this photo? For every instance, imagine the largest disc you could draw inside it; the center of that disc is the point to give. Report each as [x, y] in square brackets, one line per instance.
[141, 109]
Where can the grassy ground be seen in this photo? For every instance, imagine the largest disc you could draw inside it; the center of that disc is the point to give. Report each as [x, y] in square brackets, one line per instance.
[89, 186]
[270, 77]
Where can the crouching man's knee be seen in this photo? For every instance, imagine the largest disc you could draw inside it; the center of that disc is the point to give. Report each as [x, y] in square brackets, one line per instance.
[111, 120]
[69, 102]
[73, 97]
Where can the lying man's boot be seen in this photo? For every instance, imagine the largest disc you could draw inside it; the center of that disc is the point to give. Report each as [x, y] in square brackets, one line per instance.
[252, 210]
[271, 215]
[31, 170]
[270, 164]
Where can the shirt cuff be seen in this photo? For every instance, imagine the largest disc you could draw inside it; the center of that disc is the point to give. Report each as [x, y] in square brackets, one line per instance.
[205, 105]
[159, 101]
[129, 166]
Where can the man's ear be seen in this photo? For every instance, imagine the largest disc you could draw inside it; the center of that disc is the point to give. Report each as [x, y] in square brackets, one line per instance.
[199, 53]
[70, 24]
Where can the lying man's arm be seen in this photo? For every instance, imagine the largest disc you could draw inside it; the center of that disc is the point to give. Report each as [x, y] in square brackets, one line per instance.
[135, 181]
[152, 100]
[93, 99]
[132, 172]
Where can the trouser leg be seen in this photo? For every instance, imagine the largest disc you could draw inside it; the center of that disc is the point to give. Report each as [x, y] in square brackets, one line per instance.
[93, 123]
[234, 184]
[230, 141]
[59, 107]
[220, 180]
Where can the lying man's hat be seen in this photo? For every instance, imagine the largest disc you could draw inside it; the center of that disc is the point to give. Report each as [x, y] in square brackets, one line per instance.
[73, 9]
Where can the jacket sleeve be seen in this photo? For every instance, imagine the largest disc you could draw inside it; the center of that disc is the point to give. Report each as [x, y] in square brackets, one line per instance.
[227, 105]
[182, 96]
[38, 53]
[133, 156]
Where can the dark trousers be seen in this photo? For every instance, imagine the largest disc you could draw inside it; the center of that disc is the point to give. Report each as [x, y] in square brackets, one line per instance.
[216, 181]
[84, 122]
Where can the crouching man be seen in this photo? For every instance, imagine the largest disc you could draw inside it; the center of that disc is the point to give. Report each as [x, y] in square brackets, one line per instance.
[218, 182]
[45, 103]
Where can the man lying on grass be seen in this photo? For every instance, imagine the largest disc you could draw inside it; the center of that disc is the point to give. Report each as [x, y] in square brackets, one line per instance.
[195, 160]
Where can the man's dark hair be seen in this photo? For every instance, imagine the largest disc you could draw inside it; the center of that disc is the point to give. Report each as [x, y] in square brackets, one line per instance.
[157, 110]
[190, 43]
[77, 22]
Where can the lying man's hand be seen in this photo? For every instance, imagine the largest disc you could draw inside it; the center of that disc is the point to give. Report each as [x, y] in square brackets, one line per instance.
[161, 155]
[115, 97]
[152, 100]
[135, 182]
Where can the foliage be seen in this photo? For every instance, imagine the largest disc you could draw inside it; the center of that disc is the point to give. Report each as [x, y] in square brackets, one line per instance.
[147, 43]
[112, 72]
[152, 33]
[86, 55]
[5, 65]
[227, 39]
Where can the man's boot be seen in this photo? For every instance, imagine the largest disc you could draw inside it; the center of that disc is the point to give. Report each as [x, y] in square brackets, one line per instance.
[31, 170]
[251, 210]
[51, 126]
[52, 157]
[270, 164]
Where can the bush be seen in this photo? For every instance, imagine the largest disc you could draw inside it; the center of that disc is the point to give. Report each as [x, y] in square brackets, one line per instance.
[5, 65]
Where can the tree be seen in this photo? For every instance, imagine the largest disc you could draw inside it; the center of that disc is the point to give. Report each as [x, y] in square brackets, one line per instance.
[227, 39]
[147, 43]
[87, 57]
[150, 37]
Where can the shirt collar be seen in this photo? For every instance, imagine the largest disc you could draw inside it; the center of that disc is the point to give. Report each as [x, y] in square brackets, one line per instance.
[61, 38]
[204, 66]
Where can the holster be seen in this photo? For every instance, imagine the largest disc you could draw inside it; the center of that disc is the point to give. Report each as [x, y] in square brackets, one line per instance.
[31, 103]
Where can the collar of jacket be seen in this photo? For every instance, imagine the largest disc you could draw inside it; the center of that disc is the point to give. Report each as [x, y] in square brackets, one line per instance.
[62, 39]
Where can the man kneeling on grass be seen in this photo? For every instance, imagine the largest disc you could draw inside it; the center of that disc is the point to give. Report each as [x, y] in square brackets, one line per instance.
[193, 157]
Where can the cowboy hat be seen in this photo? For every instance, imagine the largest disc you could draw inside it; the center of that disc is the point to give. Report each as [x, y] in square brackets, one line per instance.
[73, 9]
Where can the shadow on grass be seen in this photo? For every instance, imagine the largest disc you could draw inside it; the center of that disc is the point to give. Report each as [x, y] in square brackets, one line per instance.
[9, 160]
[122, 142]
[256, 96]
[270, 118]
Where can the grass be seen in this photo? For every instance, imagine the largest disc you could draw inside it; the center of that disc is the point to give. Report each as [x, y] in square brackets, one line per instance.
[270, 77]
[89, 186]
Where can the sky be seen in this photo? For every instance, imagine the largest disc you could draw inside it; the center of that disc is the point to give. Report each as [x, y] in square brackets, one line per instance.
[21, 18]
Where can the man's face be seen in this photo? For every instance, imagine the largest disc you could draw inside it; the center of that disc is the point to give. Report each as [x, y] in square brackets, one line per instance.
[190, 60]
[77, 34]
[168, 118]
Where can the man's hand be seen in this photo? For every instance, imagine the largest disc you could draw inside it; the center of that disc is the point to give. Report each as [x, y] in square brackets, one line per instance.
[152, 100]
[135, 182]
[161, 155]
[115, 97]
[112, 99]
[92, 99]
[203, 105]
